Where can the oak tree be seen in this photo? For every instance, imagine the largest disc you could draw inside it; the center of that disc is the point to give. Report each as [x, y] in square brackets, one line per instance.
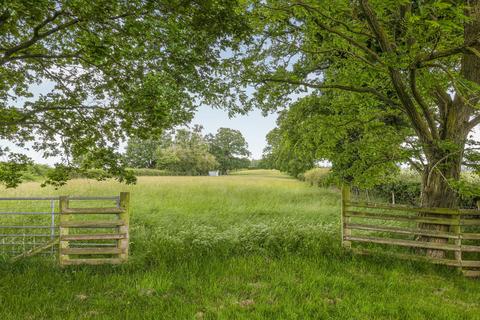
[229, 148]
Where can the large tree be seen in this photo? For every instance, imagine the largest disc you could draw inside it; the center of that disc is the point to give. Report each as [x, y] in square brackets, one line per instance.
[77, 77]
[187, 154]
[288, 145]
[402, 76]
[143, 153]
[229, 148]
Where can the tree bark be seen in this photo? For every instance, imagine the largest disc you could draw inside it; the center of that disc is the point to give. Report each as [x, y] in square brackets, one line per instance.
[443, 166]
[436, 193]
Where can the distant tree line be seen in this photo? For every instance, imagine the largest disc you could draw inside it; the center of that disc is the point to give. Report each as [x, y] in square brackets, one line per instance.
[189, 152]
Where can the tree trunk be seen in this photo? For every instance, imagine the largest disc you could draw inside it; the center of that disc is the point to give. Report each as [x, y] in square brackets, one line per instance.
[436, 193]
[444, 166]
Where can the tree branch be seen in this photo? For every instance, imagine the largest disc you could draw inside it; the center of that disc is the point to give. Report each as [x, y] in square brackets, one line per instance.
[419, 124]
[465, 48]
[416, 165]
[473, 123]
[322, 13]
[46, 21]
[443, 102]
[36, 37]
[368, 90]
[40, 56]
[423, 105]
[350, 40]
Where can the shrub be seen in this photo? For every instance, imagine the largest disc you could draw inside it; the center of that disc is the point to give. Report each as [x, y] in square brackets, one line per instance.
[149, 172]
[469, 189]
[35, 172]
[407, 189]
[406, 186]
[317, 177]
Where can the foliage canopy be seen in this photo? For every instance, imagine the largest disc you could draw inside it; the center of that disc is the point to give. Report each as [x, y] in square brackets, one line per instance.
[369, 84]
[114, 69]
[187, 154]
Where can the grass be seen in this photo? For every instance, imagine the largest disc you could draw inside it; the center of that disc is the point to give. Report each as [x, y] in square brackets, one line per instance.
[254, 245]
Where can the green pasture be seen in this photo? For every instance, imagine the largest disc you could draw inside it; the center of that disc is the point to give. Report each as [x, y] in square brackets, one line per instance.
[253, 245]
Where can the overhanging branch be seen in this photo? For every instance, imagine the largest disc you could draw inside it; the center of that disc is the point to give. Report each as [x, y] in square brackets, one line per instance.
[474, 122]
[368, 90]
[423, 105]
[465, 48]
[418, 123]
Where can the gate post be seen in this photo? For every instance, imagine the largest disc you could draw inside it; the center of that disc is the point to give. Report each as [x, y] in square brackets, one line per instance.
[457, 229]
[63, 205]
[124, 229]
[345, 231]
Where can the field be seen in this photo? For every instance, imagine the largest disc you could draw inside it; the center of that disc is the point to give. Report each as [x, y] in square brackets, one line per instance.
[254, 245]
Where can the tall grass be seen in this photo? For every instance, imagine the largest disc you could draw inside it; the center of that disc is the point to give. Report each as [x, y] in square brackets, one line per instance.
[254, 245]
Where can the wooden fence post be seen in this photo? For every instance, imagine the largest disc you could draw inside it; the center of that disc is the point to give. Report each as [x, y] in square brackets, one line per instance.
[63, 204]
[344, 219]
[457, 229]
[125, 216]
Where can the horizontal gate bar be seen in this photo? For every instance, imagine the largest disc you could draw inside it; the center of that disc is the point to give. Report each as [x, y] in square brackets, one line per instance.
[396, 217]
[56, 198]
[26, 212]
[94, 198]
[408, 231]
[446, 211]
[24, 235]
[28, 227]
[22, 243]
[405, 243]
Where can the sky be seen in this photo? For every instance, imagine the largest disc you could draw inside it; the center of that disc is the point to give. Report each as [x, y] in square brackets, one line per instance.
[253, 126]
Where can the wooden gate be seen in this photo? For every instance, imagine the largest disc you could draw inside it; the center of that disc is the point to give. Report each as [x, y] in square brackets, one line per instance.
[406, 232]
[82, 225]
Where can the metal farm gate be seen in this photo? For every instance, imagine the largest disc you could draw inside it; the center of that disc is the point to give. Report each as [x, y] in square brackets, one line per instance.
[27, 223]
[31, 225]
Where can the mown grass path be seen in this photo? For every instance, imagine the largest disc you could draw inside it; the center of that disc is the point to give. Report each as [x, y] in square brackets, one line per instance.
[255, 245]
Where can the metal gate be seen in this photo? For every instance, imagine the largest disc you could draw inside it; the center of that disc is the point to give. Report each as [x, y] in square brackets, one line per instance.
[29, 223]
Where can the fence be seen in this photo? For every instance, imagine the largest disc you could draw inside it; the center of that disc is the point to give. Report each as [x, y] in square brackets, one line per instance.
[114, 246]
[30, 225]
[26, 225]
[438, 235]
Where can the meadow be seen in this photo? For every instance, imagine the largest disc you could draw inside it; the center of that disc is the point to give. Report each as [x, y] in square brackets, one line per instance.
[253, 245]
